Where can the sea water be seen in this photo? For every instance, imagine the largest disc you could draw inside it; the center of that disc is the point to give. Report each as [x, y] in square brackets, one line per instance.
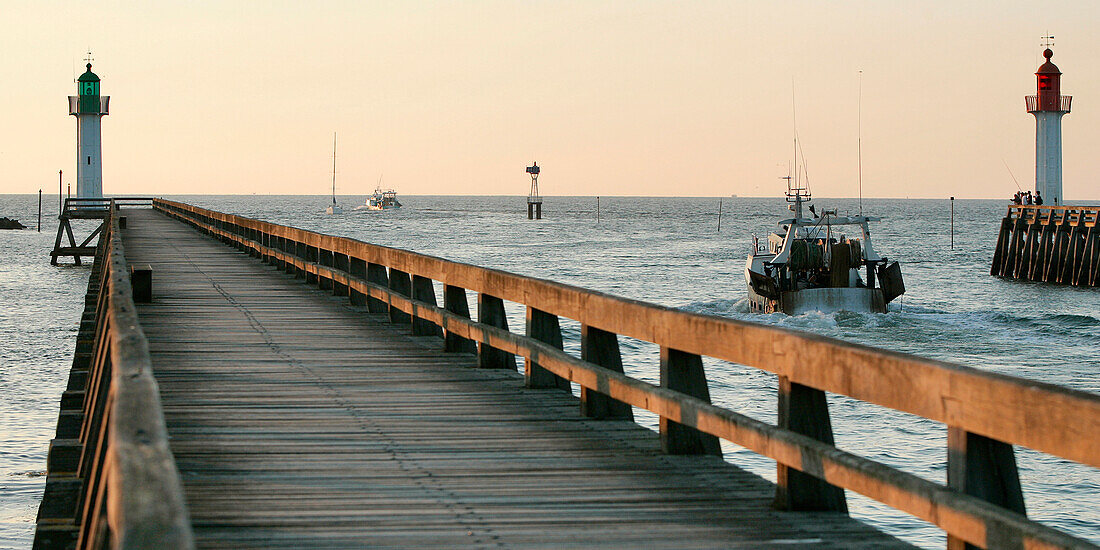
[667, 251]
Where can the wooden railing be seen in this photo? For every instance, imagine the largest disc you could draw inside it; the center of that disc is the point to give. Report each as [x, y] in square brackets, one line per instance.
[985, 412]
[130, 495]
[1085, 216]
[102, 203]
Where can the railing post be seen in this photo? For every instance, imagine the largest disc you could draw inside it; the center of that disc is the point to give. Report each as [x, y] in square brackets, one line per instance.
[358, 269]
[400, 283]
[376, 274]
[803, 410]
[543, 327]
[325, 258]
[683, 372]
[300, 252]
[287, 247]
[490, 311]
[255, 243]
[265, 240]
[423, 291]
[312, 256]
[984, 468]
[454, 301]
[340, 263]
[602, 348]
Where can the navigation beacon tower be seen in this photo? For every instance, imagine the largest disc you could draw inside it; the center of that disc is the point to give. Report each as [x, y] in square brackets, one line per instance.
[1049, 106]
[534, 201]
[88, 107]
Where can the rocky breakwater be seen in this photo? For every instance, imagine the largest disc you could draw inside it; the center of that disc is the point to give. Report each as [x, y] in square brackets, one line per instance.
[8, 223]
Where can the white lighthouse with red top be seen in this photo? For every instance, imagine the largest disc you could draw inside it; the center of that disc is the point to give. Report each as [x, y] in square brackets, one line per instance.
[1049, 106]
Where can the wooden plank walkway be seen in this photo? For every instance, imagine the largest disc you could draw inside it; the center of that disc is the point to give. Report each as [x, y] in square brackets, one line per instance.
[300, 421]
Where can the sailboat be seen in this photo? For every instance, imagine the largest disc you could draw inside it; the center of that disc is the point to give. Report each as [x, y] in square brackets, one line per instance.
[334, 208]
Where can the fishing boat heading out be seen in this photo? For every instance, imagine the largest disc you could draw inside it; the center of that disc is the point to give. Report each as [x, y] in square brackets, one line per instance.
[809, 264]
[383, 200]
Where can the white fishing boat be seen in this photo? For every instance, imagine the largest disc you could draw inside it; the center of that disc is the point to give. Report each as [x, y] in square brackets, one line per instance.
[334, 208]
[811, 264]
[381, 199]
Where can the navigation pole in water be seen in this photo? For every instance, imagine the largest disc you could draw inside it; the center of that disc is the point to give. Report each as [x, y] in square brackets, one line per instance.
[1049, 106]
[534, 201]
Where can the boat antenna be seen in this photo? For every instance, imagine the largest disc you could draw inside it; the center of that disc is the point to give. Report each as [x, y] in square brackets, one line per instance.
[334, 168]
[859, 141]
[794, 123]
[1011, 174]
[802, 172]
[805, 168]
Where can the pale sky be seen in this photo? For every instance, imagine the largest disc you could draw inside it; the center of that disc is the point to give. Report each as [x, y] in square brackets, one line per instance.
[611, 98]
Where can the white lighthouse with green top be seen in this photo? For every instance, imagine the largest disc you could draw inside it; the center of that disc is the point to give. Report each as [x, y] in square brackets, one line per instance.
[88, 107]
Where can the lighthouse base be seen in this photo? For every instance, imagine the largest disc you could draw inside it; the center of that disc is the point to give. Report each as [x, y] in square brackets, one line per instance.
[534, 208]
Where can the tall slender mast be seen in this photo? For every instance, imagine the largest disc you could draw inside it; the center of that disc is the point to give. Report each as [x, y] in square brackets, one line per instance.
[334, 168]
[859, 141]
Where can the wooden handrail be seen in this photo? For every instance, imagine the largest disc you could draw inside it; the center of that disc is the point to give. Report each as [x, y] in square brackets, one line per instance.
[1085, 216]
[132, 494]
[1046, 417]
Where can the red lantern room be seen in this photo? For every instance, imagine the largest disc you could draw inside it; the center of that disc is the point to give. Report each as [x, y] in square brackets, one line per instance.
[1049, 88]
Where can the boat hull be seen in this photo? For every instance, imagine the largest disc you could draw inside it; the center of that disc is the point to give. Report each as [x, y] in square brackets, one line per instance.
[824, 300]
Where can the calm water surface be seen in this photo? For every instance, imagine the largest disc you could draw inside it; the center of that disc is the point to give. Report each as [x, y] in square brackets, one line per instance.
[666, 251]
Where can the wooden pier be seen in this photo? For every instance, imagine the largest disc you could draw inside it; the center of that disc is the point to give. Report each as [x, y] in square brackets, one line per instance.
[1053, 244]
[297, 390]
[85, 209]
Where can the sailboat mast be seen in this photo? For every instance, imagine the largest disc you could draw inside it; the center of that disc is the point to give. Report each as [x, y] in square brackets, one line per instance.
[859, 141]
[334, 168]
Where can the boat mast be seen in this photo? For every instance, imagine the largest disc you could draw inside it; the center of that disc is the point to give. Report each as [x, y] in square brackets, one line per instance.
[859, 141]
[799, 184]
[334, 168]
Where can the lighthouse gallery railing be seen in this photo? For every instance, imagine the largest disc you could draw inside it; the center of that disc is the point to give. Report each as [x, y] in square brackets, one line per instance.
[1062, 105]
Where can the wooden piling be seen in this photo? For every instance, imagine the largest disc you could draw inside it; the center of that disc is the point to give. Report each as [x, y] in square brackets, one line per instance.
[1053, 244]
